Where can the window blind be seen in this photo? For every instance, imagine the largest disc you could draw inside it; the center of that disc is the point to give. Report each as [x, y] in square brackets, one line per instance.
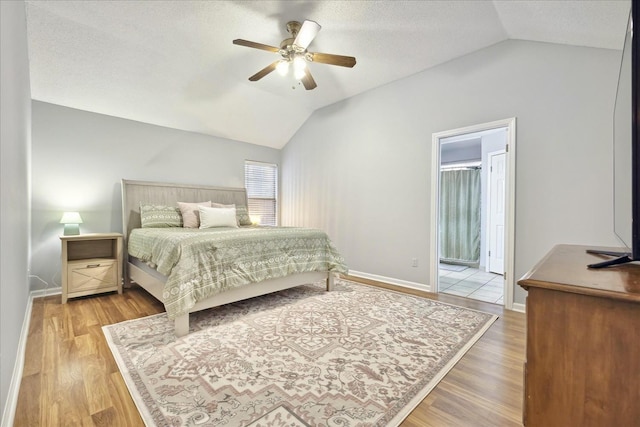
[261, 182]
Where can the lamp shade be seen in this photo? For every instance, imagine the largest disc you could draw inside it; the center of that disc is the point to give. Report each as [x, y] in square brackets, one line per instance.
[71, 218]
[71, 221]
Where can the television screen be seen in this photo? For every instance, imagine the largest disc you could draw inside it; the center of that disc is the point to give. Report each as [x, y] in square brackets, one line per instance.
[626, 151]
[622, 139]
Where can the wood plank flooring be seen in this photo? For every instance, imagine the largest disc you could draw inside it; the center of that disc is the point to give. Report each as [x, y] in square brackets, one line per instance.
[71, 379]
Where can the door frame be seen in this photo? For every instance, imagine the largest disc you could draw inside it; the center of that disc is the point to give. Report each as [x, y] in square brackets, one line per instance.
[434, 247]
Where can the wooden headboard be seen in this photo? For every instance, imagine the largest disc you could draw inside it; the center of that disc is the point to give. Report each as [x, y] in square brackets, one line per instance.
[160, 193]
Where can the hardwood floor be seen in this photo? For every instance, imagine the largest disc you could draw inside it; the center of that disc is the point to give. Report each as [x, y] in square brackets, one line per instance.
[71, 379]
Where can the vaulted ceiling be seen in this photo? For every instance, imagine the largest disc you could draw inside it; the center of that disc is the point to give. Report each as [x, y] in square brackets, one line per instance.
[173, 64]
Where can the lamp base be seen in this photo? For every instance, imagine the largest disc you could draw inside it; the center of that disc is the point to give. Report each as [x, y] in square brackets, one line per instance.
[71, 229]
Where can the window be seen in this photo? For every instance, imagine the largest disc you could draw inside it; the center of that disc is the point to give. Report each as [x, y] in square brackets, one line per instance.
[261, 181]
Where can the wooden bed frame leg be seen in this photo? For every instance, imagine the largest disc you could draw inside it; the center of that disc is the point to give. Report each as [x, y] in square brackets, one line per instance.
[330, 281]
[182, 325]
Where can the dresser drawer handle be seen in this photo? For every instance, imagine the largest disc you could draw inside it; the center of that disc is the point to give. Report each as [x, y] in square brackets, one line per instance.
[93, 265]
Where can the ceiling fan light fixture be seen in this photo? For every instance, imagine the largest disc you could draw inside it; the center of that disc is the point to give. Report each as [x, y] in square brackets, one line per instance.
[299, 66]
[293, 53]
[299, 73]
[283, 67]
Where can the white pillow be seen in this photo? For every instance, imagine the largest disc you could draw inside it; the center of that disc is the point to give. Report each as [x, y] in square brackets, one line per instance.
[217, 217]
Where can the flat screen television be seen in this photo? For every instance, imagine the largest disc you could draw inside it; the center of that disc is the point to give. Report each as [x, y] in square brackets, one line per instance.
[626, 150]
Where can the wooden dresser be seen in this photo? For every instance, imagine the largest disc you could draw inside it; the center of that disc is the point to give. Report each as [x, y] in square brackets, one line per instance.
[582, 364]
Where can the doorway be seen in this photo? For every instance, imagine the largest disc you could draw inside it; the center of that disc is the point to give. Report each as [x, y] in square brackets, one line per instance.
[473, 177]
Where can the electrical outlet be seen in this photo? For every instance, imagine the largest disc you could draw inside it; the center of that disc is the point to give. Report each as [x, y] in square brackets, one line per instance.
[414, 262]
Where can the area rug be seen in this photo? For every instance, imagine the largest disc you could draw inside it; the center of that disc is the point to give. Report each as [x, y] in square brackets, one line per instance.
[355, 356]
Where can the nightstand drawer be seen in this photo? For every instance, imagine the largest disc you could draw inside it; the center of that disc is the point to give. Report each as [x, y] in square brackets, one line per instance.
[92, 274]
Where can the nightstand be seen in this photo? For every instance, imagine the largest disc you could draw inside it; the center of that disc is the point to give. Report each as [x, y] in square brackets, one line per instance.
[91, 264]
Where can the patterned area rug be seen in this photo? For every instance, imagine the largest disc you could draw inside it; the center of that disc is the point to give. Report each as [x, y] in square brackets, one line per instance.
[355, 356]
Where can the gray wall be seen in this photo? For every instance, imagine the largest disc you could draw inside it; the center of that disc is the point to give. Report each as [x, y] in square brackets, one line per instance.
[15, 141]
[80, 157]
[360, 168]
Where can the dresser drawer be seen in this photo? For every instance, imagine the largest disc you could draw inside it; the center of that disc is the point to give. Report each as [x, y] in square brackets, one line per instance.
[92, 275]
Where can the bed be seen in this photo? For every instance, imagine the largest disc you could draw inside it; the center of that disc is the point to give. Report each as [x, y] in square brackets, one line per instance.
[163, 282]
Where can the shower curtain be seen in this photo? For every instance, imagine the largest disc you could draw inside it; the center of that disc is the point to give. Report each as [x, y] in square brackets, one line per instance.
[460, 216]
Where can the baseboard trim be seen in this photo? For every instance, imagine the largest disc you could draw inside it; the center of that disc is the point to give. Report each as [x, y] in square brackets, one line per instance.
[9, 412]
[41, 293]
[519, 307]
[11, 403]
[391, 280]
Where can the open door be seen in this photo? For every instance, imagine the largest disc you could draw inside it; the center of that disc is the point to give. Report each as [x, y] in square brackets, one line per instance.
[497, 176]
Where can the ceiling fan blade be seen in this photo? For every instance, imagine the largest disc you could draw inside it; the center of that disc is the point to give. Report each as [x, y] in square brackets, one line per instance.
[266, 70]
[255, 45]
[307, 80]
[307, 33]
[327, 58]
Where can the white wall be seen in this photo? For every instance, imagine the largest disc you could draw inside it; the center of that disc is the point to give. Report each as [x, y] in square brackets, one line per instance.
[15, 141]
[460, 152]
[360, 168]
[79, 159]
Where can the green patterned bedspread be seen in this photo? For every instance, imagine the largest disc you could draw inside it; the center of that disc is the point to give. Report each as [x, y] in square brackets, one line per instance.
[201, 263]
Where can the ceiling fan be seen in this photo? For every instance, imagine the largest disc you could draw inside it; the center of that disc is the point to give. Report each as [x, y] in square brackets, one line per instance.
[293, 52]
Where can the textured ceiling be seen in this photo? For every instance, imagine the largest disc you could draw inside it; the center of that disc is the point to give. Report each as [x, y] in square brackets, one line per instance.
[172, 63]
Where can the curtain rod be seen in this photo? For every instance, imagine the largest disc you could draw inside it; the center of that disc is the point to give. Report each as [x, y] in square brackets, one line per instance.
[467, 165]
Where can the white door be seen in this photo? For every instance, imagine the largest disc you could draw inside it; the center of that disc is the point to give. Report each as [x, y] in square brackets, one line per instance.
[497, 174]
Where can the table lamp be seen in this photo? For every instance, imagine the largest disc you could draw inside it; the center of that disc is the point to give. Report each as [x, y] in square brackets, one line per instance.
[71, 221]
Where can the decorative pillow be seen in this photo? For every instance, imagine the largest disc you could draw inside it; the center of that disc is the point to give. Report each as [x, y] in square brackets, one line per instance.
[242, 214]
[190, 213]
[159, 216]
[217, 217]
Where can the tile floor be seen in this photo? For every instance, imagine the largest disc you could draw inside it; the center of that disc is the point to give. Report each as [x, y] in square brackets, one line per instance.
[473, 283]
